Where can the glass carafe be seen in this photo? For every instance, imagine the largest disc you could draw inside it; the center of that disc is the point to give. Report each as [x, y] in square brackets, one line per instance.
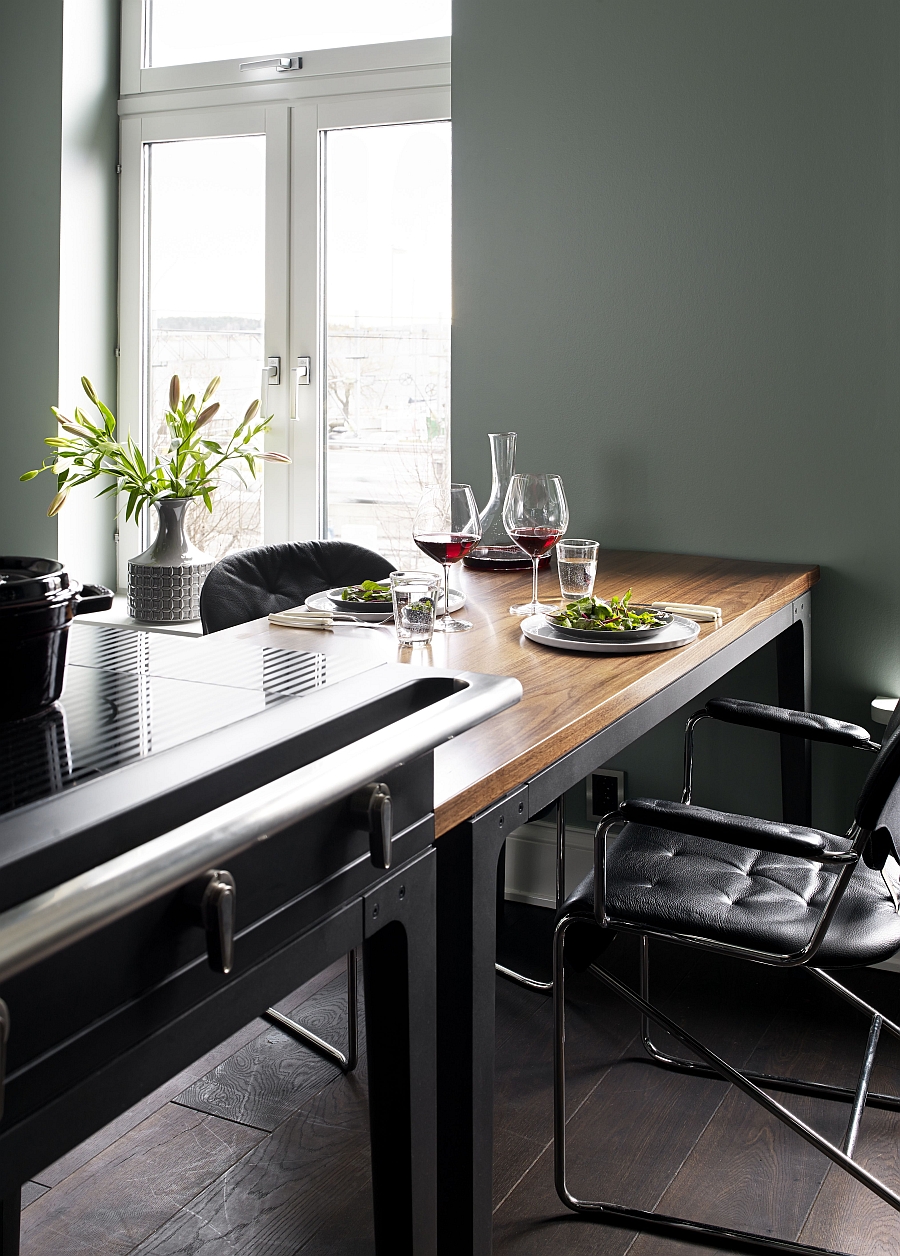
[496, 551]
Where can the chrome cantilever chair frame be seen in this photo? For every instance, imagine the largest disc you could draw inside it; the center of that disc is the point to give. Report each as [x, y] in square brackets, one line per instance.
[713, 1065]
[546, 987]
[794, 1085]
[346, 1062]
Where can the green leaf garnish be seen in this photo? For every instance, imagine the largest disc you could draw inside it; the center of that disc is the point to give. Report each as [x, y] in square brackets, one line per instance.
[593, 614]
[368, 591]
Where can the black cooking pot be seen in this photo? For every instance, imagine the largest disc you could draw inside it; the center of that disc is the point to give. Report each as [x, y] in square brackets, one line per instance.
[37, 602]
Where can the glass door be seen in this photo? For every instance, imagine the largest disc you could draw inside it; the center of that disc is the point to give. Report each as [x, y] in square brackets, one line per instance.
[386, 320]
[205, 306]
[203, 292]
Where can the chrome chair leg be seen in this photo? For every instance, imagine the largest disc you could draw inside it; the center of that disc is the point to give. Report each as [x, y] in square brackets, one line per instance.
[681, 1227]
[346, 1062]
[545, 987]
[774, 1081]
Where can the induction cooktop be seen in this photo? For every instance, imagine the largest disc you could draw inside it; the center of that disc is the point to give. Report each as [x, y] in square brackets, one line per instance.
[130, 694]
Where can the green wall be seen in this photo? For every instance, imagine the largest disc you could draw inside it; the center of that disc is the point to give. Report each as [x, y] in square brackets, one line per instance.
[30, 152]
[58, 231]
[676, 229]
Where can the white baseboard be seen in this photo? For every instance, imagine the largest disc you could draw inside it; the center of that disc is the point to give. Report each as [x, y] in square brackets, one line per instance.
[531, 861]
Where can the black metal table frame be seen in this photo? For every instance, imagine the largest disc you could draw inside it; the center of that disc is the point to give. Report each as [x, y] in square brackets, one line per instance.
[467, 909]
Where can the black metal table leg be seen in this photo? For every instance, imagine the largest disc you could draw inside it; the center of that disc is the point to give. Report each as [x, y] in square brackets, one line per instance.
[466, 942]
[10, 1214]
[794, 684]
[399, 980]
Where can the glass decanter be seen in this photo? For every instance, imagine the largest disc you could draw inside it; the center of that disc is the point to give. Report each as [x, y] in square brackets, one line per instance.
[495, 551]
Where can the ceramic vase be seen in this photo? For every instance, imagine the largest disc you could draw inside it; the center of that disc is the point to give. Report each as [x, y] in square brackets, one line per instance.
[164, 582]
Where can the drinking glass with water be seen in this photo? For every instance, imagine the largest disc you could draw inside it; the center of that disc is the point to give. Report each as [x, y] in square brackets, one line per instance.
[576, 561]
[415, 595]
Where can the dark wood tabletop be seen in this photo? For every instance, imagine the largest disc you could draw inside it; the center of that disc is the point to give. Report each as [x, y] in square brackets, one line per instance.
[568, 696]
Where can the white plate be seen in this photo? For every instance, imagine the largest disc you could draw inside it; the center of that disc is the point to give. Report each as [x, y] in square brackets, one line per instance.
[680, 632]
[321, 602]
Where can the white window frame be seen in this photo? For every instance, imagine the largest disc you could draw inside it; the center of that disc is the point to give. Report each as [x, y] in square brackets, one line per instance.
[370, 86]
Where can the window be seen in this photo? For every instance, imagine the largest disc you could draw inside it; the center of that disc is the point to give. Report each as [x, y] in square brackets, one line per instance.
[185, 31]
[205, 293]
[287, 216]
[387, 327]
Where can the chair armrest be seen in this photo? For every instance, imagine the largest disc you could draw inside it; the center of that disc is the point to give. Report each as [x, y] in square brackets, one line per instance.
[794, 723]
[721, 826]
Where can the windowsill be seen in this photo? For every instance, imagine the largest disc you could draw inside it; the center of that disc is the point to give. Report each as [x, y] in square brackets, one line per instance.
[119, 618]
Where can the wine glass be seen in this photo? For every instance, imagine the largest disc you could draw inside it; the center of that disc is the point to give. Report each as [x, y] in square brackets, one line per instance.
[446, 528]
[535, 514]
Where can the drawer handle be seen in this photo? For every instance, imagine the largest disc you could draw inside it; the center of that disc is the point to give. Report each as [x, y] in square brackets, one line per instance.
[372, 804]
[213, 899]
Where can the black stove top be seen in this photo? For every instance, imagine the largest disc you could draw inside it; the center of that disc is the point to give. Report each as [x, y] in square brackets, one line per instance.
[132, 694]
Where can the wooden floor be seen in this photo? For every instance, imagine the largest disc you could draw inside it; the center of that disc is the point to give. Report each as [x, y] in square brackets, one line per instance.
[261, 1147]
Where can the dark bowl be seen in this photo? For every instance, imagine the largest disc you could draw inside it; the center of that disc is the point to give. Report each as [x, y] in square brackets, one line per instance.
[372, 607]
[627, 634]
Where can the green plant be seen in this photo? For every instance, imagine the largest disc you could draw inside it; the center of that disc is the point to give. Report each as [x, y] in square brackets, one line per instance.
[190, 467]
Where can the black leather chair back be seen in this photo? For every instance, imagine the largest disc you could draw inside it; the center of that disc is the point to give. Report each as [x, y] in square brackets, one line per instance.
[879, 785]
[256, 582]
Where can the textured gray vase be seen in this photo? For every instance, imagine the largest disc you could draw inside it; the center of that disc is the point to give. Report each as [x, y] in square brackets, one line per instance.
[164, 582]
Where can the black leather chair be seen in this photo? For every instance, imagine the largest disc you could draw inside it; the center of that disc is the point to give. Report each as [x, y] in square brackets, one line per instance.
[771, 893]
[254, 583]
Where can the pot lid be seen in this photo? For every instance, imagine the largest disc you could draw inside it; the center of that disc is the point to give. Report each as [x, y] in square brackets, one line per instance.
[30, 580]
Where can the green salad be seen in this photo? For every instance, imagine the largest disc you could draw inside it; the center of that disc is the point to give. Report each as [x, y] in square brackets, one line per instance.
[368, 591]
[592, 613]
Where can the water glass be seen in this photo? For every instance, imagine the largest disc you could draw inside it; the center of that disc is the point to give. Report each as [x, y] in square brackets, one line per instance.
[576, 561]
[415, 595]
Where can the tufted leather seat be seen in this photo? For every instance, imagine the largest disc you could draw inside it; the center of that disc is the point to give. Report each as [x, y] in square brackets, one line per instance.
[733, 894]
[256, 582]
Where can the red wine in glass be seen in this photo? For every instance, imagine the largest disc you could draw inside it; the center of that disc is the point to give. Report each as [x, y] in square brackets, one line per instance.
[445, 547]
[536, 541]
[535, 515]
[446, 528]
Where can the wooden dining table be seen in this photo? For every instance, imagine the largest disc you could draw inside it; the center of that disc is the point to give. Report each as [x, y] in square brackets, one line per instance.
[577, 712]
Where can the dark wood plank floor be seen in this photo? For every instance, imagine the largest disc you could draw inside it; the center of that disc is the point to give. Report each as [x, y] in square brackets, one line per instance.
[261, 1147]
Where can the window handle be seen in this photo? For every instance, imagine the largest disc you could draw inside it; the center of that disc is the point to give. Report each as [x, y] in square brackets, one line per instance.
[271, 377]
[302, 377]
[281, 64]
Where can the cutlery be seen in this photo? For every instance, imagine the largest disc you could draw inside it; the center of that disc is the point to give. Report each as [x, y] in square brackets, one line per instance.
[324, 622]
[689, 610]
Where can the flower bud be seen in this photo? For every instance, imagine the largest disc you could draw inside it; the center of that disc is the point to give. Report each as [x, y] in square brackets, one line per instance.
[89, 389]
[211, 388]
[205, 415]
[59, 500]
[272, 456]
[174, 393]
[252, 410]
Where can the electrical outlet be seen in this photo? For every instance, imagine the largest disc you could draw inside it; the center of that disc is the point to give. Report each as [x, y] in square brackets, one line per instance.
[605, 792]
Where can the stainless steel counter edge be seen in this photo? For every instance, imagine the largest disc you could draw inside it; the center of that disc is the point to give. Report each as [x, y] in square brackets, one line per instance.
[37, 928]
